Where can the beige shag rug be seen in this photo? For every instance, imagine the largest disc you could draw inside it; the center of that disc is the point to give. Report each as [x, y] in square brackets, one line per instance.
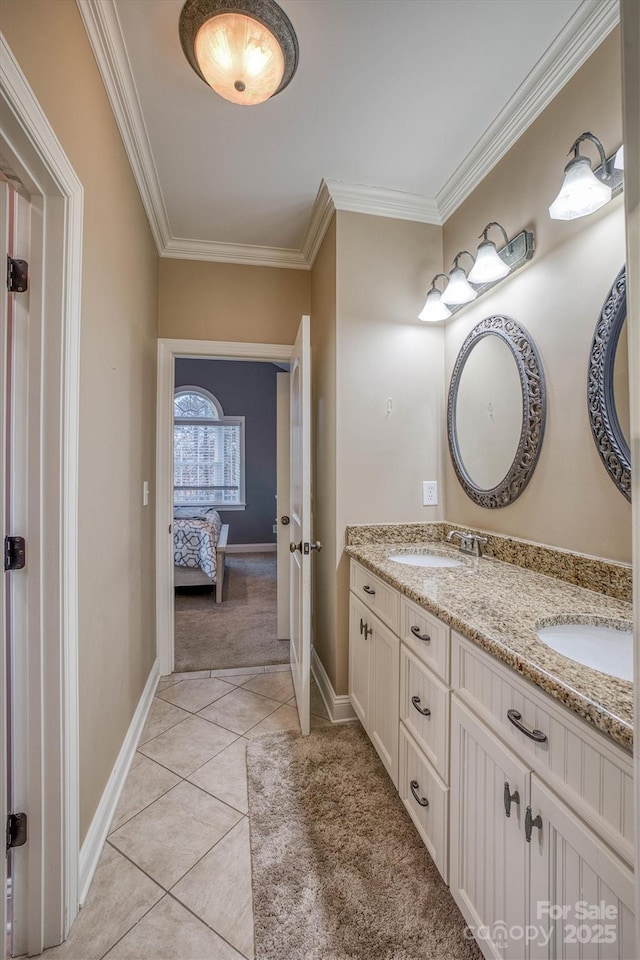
[242, 631]
[339, 872]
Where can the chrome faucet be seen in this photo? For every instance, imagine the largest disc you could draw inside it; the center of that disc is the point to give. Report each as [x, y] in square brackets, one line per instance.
[469, 542]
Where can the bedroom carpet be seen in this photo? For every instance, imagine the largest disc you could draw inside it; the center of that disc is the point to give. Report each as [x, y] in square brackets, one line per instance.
[339, 871]
[239, 632]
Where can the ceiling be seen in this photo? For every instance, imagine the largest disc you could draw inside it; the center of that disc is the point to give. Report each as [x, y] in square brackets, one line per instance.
[412, 100]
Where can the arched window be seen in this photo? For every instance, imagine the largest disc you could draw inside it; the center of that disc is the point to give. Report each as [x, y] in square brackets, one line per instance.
[208, 452]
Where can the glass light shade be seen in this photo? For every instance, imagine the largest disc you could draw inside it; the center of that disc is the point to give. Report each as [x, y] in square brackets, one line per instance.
[240, 58]
[489, 265]
[581, 192]
[434, 309]
[458, 289]
[618, 163]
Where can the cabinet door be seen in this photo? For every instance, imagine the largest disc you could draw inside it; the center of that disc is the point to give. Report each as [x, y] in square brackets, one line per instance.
[488, 851]
[359, 660]
[384, 705]
[581, 894]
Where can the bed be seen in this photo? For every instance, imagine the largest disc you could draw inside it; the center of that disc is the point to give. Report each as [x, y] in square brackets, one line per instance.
[200, 540]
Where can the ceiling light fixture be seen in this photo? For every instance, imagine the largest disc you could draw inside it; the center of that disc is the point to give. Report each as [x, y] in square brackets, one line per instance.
[434, 309]
[489, 265]
[246, 50]
[585, 190]
[458, 290]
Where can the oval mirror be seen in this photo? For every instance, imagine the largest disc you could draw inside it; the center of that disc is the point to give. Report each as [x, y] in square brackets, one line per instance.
[608, 386]
[496, 412]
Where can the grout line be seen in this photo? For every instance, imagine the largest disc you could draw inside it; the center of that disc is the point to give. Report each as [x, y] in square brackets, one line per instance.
[139, 744]
[146, 913]
[165, 767]
[208, 925]
[159, 797]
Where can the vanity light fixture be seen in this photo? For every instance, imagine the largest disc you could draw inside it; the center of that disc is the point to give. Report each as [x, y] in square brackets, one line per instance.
[246, 50]
[434, 309]
[585, 190]
[459, 290]
[489, 265]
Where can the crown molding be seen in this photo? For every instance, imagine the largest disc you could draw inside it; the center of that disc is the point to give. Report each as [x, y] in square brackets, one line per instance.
[588, 27]
[101, 22]
[381, 202]
[240, 253]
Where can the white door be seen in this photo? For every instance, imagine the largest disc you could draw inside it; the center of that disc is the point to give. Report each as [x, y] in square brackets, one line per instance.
[359, 660]
[283, 483]
[581, 898]
[384, 705]
[489, 795]
[300, 526]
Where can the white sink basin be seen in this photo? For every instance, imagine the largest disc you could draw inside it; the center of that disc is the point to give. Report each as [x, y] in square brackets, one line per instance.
[602, 648]
[425, 560]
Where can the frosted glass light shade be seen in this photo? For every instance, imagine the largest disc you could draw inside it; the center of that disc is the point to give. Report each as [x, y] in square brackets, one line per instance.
[458, 289]
[489, 265]
[240, 58]
[581, 192]
[434, 309]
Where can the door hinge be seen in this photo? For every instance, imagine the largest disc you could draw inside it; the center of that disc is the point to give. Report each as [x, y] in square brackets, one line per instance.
[17, 275]
[16, 830]
[15, 551]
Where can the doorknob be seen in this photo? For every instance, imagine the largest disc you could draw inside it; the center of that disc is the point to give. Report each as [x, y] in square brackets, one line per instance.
[295, 546]
[285, 521]
[316, 546]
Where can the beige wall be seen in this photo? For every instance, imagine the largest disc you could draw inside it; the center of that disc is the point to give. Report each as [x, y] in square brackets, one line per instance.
[323, 387]
[570, 502]
[384, 268]
[225, 301]
[117, 384]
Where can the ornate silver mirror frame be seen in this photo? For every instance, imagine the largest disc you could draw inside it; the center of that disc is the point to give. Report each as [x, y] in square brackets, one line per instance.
[603, 417]
[534, 407]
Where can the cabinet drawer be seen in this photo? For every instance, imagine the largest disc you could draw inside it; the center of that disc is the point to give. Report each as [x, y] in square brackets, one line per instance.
[420, 691]
[382, 599]
[583, 766]
[431, 821]
[426, 636]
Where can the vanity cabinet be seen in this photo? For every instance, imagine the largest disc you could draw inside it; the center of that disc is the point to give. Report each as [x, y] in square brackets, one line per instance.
[523, 796]
[374, 680]
[488, 852]
[526, 809]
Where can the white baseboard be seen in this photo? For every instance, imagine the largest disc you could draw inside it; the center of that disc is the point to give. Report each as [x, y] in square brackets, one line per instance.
[251, 548]
[97, 833]
[338, 707]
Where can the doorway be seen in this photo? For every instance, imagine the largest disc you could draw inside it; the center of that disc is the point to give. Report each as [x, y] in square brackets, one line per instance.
[171, 354]
[230, 494]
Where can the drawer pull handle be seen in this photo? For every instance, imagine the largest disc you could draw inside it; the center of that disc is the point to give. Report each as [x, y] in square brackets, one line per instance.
[367, 630]
[423, 710]
[530, 822]
[362, 626]
[415, 786]
[515, 718]
[509, 798]
[370, 591]
[421, 636]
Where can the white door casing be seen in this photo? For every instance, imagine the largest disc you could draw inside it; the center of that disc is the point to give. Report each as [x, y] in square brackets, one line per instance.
[300, 526]
[4, 231]
[283, 483]
[45, 736]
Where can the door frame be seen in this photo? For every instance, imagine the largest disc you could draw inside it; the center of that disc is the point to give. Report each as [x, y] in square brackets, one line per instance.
[47, 730]
[170, 350]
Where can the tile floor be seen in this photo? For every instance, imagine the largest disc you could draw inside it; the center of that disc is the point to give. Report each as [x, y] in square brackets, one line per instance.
[174, 879]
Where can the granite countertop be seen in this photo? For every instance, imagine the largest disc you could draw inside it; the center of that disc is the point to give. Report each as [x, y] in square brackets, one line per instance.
[498, 606]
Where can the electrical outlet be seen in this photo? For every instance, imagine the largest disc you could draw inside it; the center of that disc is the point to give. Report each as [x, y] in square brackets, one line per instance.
[429, 493]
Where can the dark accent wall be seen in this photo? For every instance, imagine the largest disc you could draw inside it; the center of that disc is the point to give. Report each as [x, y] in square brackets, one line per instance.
[245, 389]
